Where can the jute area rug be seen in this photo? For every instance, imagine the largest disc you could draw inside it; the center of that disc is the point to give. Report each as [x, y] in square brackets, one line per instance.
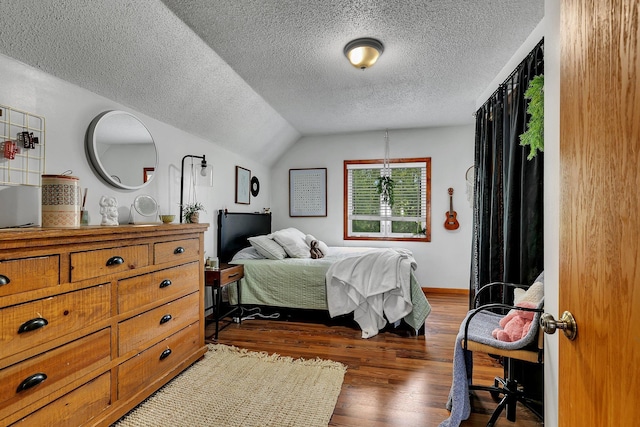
[233, 387]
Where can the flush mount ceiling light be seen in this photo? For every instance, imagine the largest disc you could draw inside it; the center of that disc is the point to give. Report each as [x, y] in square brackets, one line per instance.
[363, 53]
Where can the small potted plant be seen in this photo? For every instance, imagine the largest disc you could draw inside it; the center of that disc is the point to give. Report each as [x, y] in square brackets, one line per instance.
[191, 212]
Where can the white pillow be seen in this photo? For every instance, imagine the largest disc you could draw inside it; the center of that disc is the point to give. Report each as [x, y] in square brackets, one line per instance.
[290, 231]
[293, 243]
[321, 245]
[518, 294]
[267, 247]
[247, 253]
[534, 294]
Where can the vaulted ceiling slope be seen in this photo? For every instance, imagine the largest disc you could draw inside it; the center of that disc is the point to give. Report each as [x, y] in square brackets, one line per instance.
[255, 75]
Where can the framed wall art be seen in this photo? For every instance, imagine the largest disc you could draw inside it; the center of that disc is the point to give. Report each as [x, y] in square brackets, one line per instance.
[243, 186]
[308, 192]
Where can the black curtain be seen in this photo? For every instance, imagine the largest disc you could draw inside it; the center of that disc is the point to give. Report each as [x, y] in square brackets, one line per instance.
[508, 209]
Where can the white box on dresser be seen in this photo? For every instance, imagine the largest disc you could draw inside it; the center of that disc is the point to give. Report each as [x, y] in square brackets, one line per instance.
[94, 320]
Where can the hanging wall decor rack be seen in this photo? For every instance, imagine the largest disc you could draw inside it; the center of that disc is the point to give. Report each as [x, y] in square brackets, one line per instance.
[22, 147]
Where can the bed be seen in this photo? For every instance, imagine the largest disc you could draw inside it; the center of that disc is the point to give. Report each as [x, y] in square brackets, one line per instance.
[298, 283]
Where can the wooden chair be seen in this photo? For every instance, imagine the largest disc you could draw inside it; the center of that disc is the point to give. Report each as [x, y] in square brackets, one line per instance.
[507, 390]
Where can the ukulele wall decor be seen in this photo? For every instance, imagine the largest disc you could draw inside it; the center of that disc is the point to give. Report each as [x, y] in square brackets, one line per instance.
[451, 223]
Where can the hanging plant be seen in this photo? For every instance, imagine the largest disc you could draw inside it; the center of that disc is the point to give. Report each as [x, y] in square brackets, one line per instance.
[384, 187]
[534, 135]
[384, 184]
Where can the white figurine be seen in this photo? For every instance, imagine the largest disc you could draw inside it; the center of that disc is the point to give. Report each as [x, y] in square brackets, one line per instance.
[109, 210]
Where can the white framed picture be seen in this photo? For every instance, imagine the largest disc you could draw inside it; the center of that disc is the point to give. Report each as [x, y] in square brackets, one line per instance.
[308, 192]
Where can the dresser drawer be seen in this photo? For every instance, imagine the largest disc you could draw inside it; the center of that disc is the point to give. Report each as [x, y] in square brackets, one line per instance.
[76, 408]
[30, 324]
[138, 332]
[175, 250]
[27, 274]
[32, 379]
[142, 290]
[90, 264]
[146, 367]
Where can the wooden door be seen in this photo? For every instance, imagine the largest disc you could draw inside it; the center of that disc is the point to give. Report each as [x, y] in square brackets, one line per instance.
[600, 212]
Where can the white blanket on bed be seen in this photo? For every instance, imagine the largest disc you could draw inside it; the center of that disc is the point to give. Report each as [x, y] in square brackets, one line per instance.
[373, 286]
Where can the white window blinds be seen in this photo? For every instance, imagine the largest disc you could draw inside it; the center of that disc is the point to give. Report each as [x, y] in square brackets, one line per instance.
[368, 216]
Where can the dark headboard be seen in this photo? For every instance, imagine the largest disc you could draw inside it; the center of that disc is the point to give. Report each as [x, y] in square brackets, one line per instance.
[235, 228]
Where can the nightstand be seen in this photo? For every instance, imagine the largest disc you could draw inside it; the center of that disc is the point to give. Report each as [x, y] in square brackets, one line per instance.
[218, 279]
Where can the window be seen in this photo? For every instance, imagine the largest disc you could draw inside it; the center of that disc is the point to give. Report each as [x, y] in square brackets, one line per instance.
[367, 217]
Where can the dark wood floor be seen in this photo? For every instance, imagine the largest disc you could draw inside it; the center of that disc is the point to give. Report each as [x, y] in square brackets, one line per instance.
[393, 379]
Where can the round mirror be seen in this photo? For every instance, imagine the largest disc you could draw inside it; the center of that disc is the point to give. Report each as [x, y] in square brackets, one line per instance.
[121, 150]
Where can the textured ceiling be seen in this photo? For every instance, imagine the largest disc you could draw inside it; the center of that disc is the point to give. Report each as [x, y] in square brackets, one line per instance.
[253, 75]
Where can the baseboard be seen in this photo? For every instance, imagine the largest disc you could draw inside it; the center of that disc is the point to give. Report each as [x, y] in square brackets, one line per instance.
[445, 291]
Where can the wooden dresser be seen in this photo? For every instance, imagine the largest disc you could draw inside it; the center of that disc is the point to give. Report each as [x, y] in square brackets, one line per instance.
[93, 320]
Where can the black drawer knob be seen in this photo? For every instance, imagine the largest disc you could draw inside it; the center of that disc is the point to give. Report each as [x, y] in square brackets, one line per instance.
[165, 354]
[32, 325]
[179, 250]
[115, 260]
[4, 280]
[31, 381]
[165, 318]
[165, 283]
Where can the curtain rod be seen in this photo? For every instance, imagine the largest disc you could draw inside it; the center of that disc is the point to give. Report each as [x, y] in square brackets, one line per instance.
[533, 53]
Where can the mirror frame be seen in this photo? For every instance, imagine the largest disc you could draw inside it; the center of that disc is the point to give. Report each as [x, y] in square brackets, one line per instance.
[92, 151]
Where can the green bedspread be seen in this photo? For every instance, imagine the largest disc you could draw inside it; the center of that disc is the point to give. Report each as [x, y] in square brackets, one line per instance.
[300, 283]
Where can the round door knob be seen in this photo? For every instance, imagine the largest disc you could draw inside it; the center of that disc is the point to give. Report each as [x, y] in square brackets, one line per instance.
[566, 323]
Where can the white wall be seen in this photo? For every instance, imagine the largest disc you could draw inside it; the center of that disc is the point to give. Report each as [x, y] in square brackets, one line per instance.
[68, 110]
[444, 262]
[551, 202]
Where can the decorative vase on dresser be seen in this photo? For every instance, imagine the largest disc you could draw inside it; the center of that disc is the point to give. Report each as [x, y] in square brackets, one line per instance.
[95, 319]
